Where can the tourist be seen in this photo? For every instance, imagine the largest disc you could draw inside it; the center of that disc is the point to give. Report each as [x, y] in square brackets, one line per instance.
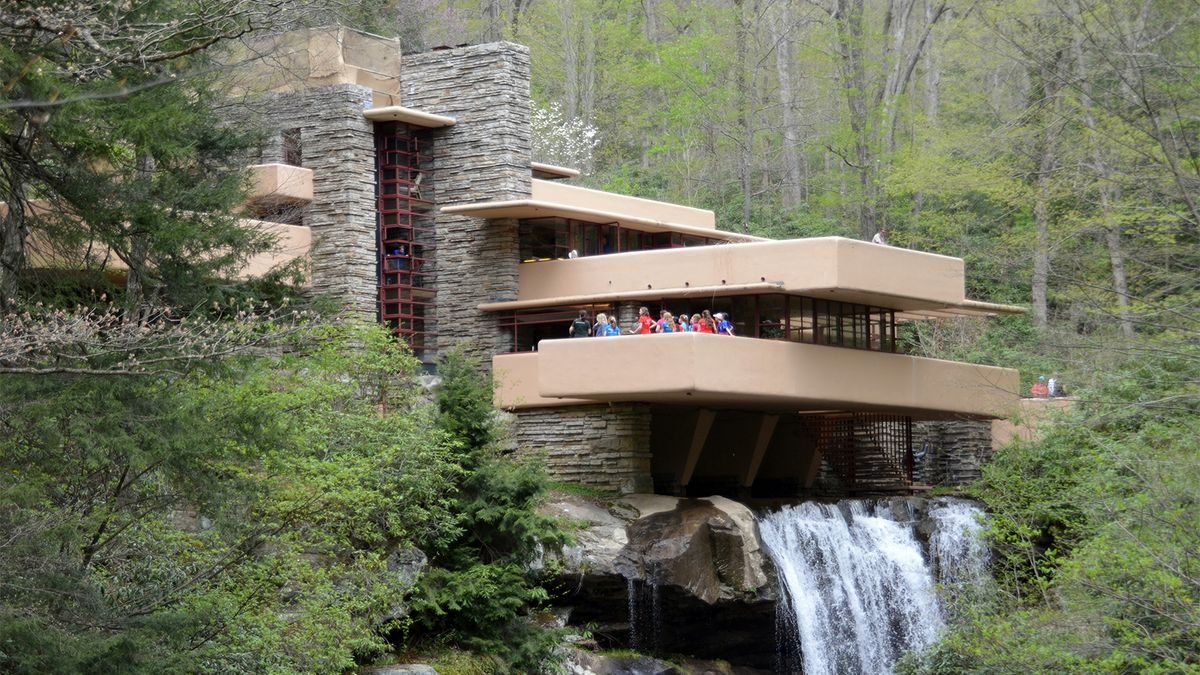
[880, 236]
[580, 327]
[724, 327]
[645, 325]
[683, 325]
[706, 324]
[1052, 386]
[600, 326]
[666, 323]
[1039, 389]
[613, 328]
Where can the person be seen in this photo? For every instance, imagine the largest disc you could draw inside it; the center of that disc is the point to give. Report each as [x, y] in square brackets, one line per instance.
[1039, 390]
[724, 327]
[613, 328]
[601, 325]
[580, 327]
[645, 325]
[683, 325]
[399, 257]
[706, 324]
[880, 236]
[1052, 387]
[666, 322]
[573, 254]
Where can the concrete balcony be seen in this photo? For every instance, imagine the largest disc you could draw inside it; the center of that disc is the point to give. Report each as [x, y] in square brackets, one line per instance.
[715, 371]
[277, 184]
[832, 268]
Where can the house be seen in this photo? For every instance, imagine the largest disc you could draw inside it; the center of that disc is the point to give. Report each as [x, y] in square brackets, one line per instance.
[428, 213]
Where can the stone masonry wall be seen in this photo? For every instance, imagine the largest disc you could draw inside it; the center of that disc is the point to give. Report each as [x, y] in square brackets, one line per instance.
[603, 446]
[954, 451]
[338, 144]
[484, 157]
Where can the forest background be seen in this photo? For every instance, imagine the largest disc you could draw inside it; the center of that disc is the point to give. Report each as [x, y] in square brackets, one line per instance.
[1052, 144]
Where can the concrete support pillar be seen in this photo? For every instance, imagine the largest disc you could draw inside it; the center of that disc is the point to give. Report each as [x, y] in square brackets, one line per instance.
[704, 420]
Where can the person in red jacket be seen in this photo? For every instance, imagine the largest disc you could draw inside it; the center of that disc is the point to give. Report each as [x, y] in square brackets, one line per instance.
[1039, 388]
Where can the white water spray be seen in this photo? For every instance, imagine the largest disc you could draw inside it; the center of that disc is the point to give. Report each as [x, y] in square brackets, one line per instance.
[857, 582]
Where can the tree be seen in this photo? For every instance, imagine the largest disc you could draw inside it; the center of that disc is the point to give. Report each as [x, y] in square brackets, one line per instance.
[257, 515]
[482, 583]
[76, 162]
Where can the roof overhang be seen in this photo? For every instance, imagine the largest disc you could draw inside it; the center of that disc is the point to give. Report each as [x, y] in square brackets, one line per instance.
[395, 113]
[522, 209]
[552, 172]
[917, 285]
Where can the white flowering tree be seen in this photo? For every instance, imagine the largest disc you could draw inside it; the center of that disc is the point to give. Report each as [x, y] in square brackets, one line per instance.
[560, 140]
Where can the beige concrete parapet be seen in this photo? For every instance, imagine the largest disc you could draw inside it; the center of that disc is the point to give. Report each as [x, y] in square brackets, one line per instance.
[744, 373]
[280, 184]
[830, 267]
[514, 383]
[1033, 412]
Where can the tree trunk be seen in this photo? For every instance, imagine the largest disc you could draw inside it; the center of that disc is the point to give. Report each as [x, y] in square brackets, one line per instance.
[744, 123]
[139, 287]
[570, 57]
[780, 26]
[1047, 77]
[1041, 219]
[14, 224]
[13, 233]
[1107, 190]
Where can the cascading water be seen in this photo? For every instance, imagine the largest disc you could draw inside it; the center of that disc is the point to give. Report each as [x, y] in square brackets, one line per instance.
[857, 583]
[957, 552]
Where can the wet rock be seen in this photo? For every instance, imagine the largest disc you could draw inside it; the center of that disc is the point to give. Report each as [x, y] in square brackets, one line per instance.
[670, 575]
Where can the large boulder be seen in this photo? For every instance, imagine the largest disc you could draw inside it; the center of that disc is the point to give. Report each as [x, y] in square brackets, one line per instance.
[670, 575]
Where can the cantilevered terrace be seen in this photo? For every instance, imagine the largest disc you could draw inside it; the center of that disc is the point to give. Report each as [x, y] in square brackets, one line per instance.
[827, 308]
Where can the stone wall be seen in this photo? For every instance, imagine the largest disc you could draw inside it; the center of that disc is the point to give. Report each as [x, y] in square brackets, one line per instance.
[338, 144]
[954, 451]
[603, 446]
[484, 157]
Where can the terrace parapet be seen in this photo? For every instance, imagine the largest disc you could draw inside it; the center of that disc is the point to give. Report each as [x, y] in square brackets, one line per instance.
[696, 369]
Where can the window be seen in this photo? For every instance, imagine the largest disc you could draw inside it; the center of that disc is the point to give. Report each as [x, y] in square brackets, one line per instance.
[293, 151]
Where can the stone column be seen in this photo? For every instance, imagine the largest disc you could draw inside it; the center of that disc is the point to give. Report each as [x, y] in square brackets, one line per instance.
[485, 156]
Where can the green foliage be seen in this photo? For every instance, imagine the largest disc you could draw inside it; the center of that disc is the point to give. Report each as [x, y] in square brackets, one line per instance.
[483, 583]
[1095, 531]
[244, 518]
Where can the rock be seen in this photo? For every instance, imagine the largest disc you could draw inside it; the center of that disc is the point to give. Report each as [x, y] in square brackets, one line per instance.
[400, 669]
[671, 575]
[587, 663]
[407, 564]
[598, 543]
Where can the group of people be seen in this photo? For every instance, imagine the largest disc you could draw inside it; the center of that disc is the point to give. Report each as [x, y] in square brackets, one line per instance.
[604, 326]
[1044, 388]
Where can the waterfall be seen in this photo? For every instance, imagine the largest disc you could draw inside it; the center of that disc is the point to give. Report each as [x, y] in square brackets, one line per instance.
[857, 583]
[958, 554]
[645, 613]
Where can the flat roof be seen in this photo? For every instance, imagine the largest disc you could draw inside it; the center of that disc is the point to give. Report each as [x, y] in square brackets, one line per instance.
[916, 285]
[552, 172]
[395, 113]
[523, 209]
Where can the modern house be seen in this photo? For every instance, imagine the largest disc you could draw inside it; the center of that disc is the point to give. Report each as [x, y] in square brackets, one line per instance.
[428, 213]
